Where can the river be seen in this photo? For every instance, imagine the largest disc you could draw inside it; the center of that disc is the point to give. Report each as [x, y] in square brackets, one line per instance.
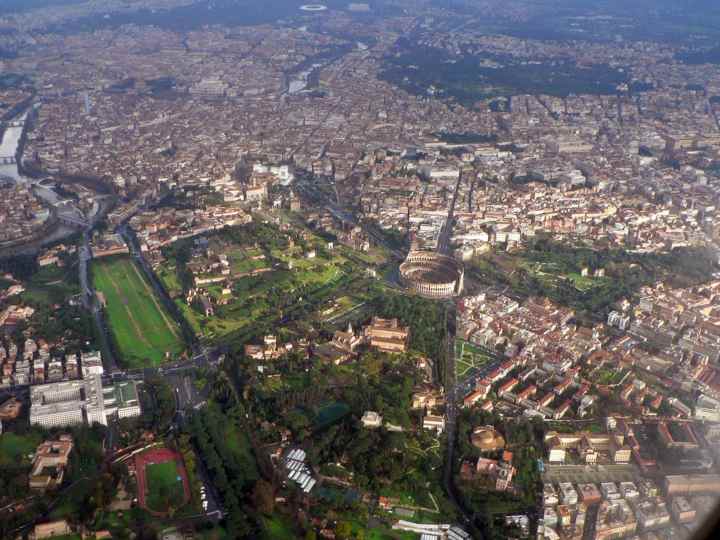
[8, 149]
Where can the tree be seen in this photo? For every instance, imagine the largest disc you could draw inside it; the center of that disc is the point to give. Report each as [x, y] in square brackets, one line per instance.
[343, 530]
[263, 497]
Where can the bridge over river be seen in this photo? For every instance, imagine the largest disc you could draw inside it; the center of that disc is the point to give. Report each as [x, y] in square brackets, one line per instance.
[12, 133]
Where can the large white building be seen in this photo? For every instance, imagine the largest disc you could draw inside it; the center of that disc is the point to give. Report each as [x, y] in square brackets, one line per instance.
[283, 172]
[122, 399]
[209, 87]
[50, 415]
[87, 401]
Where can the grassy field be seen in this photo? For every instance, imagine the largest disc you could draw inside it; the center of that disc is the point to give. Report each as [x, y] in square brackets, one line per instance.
[551, 274]
[608, 376]
[51, 285]
[246, 260]
[142, 330]
[238, 442]
[165, 487]
[15, 448]
[278, 528]
[381, 533]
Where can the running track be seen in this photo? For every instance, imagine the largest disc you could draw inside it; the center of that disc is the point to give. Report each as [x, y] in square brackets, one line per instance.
[153, 456]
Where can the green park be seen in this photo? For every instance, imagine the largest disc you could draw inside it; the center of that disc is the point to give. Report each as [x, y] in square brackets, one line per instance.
[469, 357]
[555, 270]
[14, 449]
[275, 275]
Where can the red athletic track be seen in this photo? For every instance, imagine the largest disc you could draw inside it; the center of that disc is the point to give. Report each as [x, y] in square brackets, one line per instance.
[158, 455]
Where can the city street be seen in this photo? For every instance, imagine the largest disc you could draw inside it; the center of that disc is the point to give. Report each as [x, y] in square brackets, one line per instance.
[187, 394]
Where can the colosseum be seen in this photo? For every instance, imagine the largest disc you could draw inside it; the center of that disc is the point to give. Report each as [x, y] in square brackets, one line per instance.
[432, 274]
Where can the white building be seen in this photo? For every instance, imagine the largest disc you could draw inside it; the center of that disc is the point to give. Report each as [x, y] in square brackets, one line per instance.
[618, 320]
[94, 401]
[371, 419]
[298, 471]
[651, 513]
[91, 364]
[550, 516]
[209, 87]
[443, 171]
[707, 408]
[569, 494]
[122, 399]
[556, 455]
[609, 490]
[86, 401]
[67, 413]
[284, 172]
[679, 406]
[59, 392]
[436, 423]
[550, 497]
[629, 490]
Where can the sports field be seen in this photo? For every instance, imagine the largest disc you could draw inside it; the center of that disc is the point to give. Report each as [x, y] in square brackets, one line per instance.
[162, 481]
[142, 330]
[165, 487]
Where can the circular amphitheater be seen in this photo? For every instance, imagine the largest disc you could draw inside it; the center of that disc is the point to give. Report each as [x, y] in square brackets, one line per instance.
[487, 439]
[432, 274]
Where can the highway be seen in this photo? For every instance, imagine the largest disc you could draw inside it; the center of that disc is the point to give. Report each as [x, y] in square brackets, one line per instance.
[590, 522]
[90, 301]
[443, 243]
[451, 397]
[453, 391]
[84, 256]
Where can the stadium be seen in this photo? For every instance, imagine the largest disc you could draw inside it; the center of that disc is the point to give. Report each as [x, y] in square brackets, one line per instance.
[432, 274]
